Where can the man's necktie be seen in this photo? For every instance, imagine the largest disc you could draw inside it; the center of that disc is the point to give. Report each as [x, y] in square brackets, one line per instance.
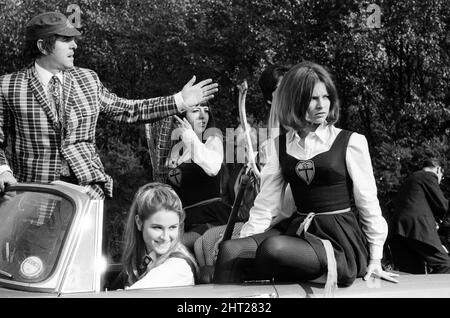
[55, 92]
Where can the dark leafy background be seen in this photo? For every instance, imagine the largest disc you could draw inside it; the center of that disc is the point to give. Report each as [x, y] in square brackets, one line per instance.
[393, 80]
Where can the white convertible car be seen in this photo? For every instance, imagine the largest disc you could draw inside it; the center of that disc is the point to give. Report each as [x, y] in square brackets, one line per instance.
[51, 246]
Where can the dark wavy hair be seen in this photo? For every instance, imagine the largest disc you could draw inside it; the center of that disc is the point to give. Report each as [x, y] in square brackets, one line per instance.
[211, 124]
[292, 98]
[269, 78]
[431, 162]
[31, 51]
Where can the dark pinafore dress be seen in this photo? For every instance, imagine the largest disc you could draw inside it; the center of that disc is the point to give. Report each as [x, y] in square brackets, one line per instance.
[200, 195]
[321, 185]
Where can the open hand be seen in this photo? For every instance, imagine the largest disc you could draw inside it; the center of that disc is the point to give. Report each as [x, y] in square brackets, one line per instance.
[183, 123]
[198, 93]
[374, 268]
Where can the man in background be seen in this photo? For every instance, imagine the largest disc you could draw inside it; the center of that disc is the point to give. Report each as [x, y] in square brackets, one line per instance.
[420, 208]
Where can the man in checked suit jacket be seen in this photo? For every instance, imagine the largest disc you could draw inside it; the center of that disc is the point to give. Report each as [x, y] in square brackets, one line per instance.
[44, 145]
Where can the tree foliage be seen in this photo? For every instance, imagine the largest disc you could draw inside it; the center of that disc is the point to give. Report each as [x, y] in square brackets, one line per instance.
[393, 78]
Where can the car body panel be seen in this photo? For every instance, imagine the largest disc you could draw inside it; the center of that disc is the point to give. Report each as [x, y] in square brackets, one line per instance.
[197, 291]
[410, 286]
[12, 293]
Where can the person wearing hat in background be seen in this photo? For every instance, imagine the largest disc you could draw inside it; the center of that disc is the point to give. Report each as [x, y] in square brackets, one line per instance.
[51, 110]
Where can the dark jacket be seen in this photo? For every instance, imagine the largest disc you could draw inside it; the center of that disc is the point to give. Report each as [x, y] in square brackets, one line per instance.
[419, 206]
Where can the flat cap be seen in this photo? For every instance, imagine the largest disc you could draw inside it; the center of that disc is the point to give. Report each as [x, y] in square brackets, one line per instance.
[50, 23]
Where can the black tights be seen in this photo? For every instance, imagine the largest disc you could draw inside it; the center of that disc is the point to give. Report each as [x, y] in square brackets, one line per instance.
[287, 258]
[233, 258]
[277, 256]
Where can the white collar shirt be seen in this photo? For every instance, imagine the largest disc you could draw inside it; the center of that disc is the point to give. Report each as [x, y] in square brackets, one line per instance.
[45, 76]
[174, 271]
[267, 209]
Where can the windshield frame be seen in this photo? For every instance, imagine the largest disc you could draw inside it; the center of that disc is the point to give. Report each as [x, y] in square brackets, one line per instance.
[79, 202]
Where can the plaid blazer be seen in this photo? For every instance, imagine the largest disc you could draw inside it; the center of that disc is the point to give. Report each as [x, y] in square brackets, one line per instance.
[37, 144]
[159, 142]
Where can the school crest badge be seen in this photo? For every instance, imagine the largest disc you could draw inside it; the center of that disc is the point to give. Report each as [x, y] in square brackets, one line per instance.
[305, 170]
[175, 177]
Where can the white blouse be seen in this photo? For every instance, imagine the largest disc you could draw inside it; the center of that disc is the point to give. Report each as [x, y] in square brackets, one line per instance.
[267, 209]
[173, 272]
[208, 155]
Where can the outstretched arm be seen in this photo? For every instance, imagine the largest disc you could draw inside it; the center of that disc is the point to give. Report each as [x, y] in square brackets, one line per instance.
[153, 109]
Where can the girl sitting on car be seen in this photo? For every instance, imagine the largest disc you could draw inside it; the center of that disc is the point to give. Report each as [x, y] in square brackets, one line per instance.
[188, 155]
[153, 255]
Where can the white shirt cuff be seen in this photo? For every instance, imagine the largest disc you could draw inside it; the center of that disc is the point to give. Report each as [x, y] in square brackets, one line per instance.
[189, 136]
[376, 252]
[179, 101]
[4, 168]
